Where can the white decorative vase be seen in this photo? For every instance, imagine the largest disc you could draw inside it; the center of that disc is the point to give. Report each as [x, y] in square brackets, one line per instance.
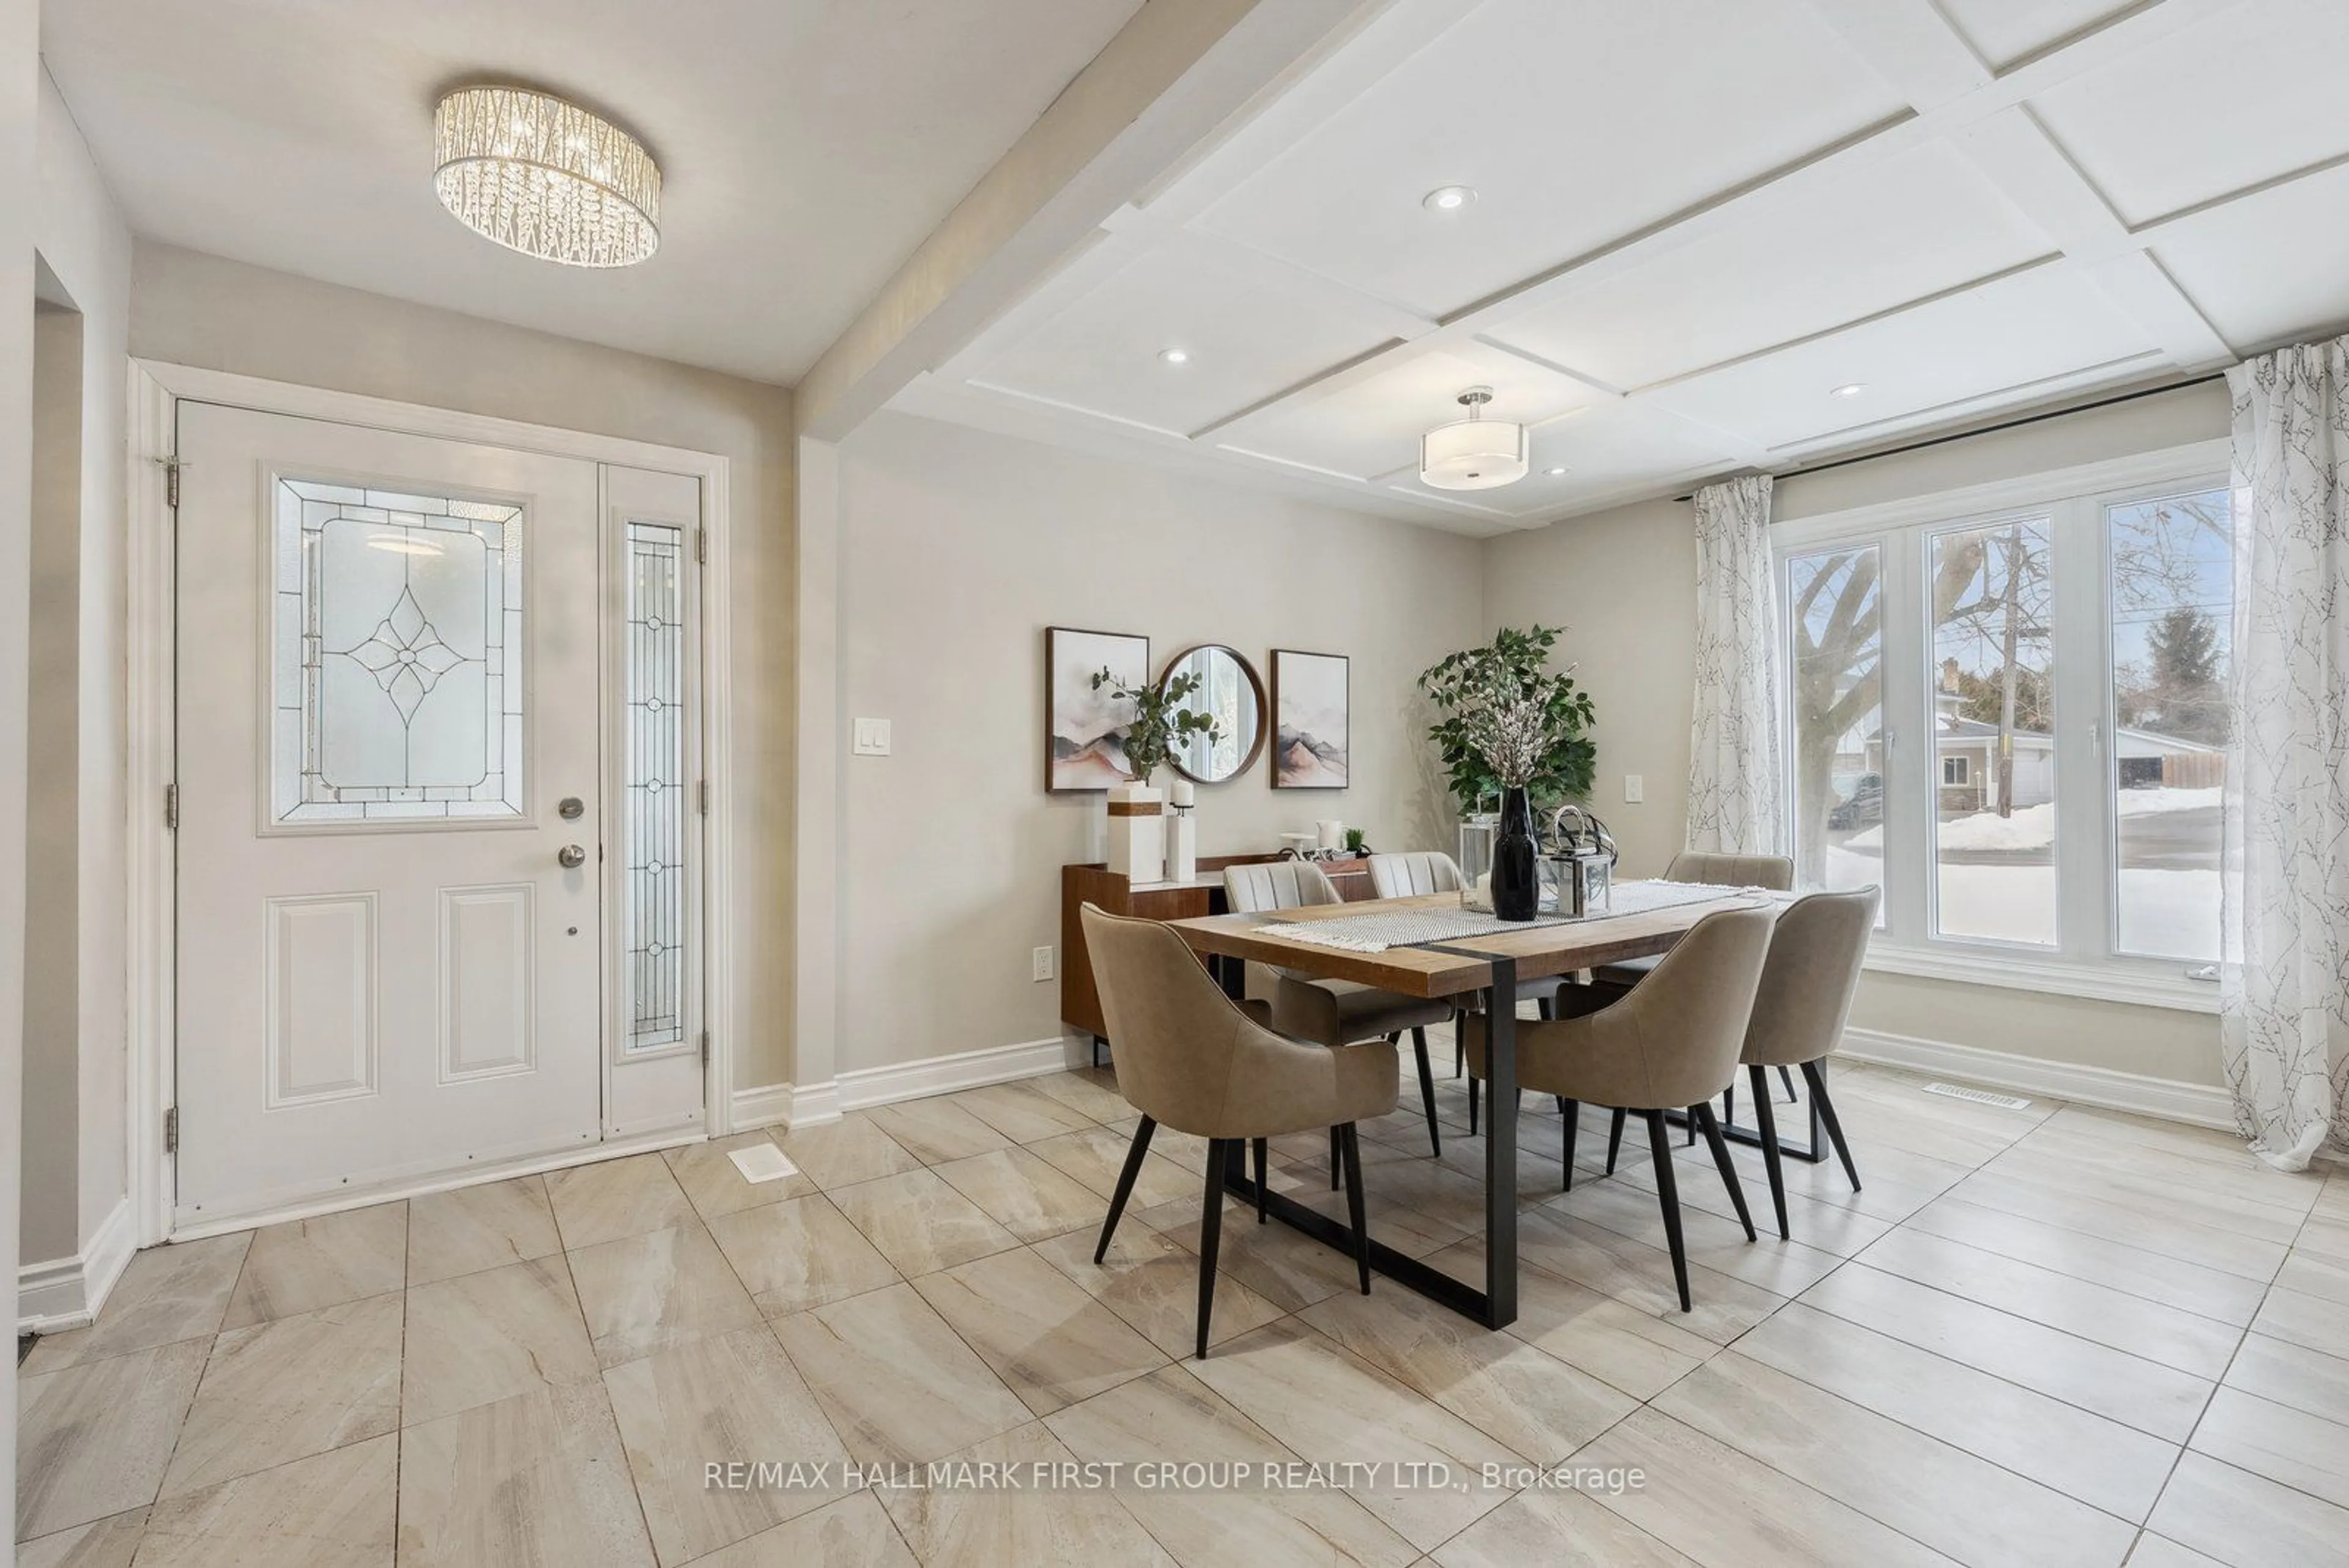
[1182, 845]
[1137, 832]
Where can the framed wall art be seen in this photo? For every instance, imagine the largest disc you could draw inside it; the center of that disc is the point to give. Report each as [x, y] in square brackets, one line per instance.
[1310, 719]
[1084, 740]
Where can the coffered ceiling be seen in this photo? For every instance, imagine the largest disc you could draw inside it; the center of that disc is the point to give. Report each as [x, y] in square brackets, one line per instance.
[1692, 223]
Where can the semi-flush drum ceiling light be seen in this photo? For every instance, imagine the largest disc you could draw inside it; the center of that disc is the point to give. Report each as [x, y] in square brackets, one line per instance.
[545, 178]
[1474, 453]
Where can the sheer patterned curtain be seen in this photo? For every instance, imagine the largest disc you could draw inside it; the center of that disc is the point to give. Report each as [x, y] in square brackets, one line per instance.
[2284, 999]
[1734, 762]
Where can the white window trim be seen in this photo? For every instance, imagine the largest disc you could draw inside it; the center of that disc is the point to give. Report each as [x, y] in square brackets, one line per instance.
[2080, 964]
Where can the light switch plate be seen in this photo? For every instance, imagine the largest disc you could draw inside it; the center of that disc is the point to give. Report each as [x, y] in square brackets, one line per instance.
[871, 738]
[1635, 789]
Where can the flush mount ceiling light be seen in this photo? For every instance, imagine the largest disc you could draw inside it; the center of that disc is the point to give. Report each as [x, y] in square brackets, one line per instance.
[1554, 472]
[1173, 356]
[1474, 453]
[1448, 198]
[545, 178]
[1848, 389]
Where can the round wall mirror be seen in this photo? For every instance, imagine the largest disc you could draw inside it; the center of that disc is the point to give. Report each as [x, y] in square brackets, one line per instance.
[1229, 690]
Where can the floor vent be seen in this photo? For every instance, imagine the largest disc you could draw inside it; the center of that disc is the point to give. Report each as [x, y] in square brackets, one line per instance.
[1978, 1096]
[762, 1162]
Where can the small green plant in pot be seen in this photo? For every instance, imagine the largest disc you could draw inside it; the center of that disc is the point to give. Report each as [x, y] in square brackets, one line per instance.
[1160, 718]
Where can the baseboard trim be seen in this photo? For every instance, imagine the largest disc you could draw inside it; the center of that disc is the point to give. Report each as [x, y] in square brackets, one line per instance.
[66, 1293]
[781, 1106]
[866, 1086]
[810, 1105]
[185, 1228]
[2167, 1099]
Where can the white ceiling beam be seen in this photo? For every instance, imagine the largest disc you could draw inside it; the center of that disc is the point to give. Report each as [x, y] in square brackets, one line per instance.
[1170, 78]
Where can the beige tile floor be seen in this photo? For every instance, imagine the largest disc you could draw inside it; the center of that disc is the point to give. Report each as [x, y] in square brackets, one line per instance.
[2052, 1336]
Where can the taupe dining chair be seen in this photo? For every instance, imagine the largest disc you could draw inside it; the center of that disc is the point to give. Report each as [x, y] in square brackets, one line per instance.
[1670, 1042]
[1607, 984]
[1329, 1012]
[1799, 1011]
[1422, 871]
[1193, 1060]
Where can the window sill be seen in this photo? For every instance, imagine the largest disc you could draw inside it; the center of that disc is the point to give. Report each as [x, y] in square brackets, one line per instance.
[2151, 983]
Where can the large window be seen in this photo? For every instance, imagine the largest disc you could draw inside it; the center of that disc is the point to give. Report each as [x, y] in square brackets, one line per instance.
[2010, 716]
[1993, 726]
[2173, 600]
[1835, 598]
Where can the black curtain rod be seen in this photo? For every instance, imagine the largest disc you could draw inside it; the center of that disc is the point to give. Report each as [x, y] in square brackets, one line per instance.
[2012, 424]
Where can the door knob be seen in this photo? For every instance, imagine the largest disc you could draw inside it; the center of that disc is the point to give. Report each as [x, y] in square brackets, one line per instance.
[571, 857]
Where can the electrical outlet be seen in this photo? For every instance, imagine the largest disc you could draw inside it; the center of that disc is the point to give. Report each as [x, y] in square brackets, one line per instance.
[1039, 964]
[871, 738]
[1635, 789]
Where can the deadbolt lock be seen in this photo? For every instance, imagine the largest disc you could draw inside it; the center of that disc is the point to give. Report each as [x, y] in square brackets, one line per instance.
[571, 808]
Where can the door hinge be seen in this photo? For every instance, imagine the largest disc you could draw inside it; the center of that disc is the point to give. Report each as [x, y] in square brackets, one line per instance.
[171, 482]
[701, 545]
[171, 807]
[705, 1047]
[705, 797]
[171, 1130]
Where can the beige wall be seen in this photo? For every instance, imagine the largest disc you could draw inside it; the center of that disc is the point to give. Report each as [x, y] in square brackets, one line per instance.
[957, 549]
[52, 1156]
[19, 96]
[74, 1153]
[1624, 585]
[194, 309]
[1624, 581]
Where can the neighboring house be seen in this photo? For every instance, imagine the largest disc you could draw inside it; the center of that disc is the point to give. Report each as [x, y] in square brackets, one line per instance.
[2147, 759]
[1966, 753]
[1965, 757]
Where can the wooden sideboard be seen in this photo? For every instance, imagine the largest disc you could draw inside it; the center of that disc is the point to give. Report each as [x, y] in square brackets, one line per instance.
[1097, 885]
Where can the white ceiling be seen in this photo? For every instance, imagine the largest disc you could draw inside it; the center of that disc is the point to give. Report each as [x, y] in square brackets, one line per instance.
[1694, 221]
[808, 145]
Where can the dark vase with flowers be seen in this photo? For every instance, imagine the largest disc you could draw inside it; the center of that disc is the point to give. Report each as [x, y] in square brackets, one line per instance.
[1516, 878]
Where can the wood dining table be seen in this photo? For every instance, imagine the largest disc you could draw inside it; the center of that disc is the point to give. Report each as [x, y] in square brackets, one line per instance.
[1481, 972]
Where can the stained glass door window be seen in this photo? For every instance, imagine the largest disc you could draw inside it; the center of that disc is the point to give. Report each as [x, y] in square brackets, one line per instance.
[653, 805]
[396, 669]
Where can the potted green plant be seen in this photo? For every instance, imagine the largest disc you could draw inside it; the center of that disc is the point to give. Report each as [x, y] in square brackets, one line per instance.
[1137, 824]
[1509, 725]
[1160, 720]
[1515, 665]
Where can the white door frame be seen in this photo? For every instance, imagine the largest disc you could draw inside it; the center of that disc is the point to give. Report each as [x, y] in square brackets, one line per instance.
[155, 388]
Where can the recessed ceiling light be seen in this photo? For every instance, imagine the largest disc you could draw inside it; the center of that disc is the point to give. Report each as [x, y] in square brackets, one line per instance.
[1554, 472]
[1848, 389]
[1448, 198]
[1173, 356]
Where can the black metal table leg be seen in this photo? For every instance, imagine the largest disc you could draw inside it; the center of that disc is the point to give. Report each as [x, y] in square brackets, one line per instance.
[1501, 1147]
[1494, 1306]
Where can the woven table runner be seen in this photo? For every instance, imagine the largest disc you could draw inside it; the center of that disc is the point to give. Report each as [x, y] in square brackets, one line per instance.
[1381, 930]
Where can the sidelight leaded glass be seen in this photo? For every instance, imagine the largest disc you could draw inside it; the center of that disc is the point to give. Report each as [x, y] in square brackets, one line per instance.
[653, 809]
[396, 679]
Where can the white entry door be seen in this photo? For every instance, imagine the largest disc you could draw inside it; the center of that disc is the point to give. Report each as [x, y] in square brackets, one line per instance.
[392, 794]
